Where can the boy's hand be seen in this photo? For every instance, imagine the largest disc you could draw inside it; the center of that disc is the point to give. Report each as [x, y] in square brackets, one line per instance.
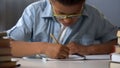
[56, 51]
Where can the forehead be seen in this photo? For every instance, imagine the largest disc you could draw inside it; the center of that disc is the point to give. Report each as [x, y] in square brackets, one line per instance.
[66, 9]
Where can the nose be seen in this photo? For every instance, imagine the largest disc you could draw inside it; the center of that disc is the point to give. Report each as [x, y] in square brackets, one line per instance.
[67, 20]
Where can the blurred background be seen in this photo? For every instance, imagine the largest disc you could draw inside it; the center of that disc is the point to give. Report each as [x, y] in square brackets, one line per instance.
[11, 10]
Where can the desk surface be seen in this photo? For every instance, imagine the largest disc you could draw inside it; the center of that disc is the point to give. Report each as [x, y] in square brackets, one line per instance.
[37, 63]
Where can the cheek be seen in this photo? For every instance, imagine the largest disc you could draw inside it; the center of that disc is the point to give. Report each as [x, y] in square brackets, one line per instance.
[75, 20]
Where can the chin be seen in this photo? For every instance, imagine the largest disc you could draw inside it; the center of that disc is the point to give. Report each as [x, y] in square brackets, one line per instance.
[67, 24]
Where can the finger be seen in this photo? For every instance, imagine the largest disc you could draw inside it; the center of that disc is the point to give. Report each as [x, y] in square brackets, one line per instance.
[63, 54]
[66, 49]
[62, 57]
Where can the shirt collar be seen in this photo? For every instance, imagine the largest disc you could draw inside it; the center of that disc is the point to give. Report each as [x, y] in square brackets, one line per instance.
[48, 10]
[84, 13]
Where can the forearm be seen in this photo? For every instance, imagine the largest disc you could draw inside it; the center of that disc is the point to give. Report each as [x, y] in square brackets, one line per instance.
[104, 48]
[20, 48]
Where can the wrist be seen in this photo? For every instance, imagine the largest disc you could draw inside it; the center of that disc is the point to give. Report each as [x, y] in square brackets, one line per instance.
[40, 47]
[83, 50]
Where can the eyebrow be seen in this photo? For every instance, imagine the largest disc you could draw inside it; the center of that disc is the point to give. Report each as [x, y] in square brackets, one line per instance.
[60, 12]
[69, 13]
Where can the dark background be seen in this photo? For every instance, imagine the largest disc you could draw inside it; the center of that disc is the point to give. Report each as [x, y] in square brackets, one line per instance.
[10, 12]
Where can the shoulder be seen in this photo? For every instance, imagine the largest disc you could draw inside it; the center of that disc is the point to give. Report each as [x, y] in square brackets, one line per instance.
[41, 4]
[92, 10]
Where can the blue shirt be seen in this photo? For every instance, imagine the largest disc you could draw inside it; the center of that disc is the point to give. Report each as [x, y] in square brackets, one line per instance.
[37, 22]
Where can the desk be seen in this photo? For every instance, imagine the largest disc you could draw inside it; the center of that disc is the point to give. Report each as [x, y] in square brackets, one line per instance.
[37, 63]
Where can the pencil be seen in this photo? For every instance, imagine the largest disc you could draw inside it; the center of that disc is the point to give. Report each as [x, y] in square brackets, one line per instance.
[53, 37]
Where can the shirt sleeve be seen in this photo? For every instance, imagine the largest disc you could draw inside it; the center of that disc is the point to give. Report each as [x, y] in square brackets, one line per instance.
[22, 30]
[106, 31]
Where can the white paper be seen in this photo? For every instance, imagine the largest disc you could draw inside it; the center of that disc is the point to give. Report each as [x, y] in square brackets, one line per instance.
[115, 57]
[87, 57]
